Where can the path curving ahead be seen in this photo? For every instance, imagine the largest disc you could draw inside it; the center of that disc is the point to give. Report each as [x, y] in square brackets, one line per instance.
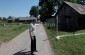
[21, 44]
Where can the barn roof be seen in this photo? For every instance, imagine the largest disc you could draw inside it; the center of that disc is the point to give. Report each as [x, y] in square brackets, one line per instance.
[79, 8]
[11, 18]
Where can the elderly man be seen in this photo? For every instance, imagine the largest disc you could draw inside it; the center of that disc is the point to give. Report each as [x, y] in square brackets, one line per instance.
[32, 30]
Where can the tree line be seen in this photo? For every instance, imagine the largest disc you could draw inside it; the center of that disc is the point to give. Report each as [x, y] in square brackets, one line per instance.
[3, 19]
[46, 8]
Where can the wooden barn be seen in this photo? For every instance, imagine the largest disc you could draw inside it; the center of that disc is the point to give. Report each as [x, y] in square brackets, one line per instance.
[71, 16]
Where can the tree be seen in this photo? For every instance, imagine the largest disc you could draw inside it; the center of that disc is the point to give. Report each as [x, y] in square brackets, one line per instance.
[73, 1]
[4, 19]
[49, 7]
[0, 18]
[82, 2]
[61, 1]
[34, 11]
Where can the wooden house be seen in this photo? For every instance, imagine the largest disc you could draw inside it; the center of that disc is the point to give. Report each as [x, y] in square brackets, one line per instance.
[11, 19]
[26, 19]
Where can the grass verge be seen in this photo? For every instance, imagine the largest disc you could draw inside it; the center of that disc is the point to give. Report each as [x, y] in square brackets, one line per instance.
[8, 32]
[70, 45]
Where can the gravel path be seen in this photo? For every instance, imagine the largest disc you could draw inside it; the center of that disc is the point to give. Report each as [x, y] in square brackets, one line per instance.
[21, 44]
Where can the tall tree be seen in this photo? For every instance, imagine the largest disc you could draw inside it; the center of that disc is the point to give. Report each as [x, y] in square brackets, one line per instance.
[61, 1]
[4, 19]
[82, 2]
[0, 18]
[49, 7]
[34, 11]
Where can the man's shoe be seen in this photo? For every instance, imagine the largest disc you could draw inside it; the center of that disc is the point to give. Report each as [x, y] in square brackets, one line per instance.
[36, 51]
[32, 52]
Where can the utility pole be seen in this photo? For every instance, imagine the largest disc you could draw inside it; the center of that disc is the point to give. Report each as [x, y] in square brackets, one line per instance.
[57, 25]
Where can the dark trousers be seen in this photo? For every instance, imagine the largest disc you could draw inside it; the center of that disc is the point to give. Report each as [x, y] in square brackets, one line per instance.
[33, 43]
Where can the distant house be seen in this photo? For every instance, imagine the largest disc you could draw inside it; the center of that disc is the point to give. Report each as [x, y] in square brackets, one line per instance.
[26, 19]
[11, 19]
[71, 16]
[20, 19]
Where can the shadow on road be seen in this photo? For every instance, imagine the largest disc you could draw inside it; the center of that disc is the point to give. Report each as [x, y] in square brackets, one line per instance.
[22, 52]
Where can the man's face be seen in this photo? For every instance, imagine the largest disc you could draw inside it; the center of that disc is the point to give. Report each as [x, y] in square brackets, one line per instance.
[34, 21]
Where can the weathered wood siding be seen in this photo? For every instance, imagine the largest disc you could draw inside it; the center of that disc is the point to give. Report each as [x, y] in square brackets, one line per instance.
[68, 18]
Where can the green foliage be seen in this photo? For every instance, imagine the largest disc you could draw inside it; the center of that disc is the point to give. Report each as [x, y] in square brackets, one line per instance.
[0, 18]
[34, 11]
[73, 1]
[82, 2]
[4, 19]
[61, 1]
[9, 32]
[47, 8]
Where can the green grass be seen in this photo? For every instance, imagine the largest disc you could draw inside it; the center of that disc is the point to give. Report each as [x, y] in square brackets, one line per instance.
[8, 32]
[71, 45]
[59, 32]
[80, 31]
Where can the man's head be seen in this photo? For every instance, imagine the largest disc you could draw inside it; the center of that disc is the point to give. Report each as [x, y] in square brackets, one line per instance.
[33, 21]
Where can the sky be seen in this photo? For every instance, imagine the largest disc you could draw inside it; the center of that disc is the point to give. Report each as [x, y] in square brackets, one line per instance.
[16, 8]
